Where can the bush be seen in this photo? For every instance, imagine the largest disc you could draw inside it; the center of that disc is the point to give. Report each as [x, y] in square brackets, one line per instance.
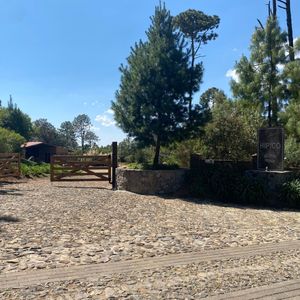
[213, 181]
[252, 191]
[292, 153]
[180, 152]
[33, 170]
[290, 193]
[227, 183]
[10, 141]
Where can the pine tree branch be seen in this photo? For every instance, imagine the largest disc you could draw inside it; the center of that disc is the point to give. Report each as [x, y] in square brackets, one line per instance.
[283, 2]
[260, 23]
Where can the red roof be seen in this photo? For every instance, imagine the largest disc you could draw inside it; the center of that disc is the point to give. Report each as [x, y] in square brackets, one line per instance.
[31, 144]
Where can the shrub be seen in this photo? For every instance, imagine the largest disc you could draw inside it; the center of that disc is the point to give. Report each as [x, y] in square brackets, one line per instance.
[214, 180]
[30, 170]
[10, 141]
[290, 193]
[252, 191]
[292, 153]
[227, 183]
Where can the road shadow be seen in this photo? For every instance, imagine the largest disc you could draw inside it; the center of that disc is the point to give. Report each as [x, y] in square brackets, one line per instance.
[220, 203]
[9, 219]
[11, 192]
[7, 182]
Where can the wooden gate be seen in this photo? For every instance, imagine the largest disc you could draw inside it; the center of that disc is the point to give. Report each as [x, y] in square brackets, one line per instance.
[85, 167]
[10, 165]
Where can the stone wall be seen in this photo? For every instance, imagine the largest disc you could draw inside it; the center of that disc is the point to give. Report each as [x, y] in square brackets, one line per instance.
[150, 182]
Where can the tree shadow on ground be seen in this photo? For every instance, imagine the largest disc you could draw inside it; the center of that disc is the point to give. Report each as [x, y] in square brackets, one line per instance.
[10, 191]
[13, 192]
[9, 219]
[202, 201]
[4, 182]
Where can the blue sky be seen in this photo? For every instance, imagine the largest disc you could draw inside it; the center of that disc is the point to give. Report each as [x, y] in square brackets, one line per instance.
[60, 58]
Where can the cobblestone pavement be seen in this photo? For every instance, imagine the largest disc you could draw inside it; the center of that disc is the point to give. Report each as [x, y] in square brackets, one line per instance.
[44, 225]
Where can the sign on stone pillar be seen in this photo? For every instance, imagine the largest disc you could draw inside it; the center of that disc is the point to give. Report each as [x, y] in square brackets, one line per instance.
[270, 149]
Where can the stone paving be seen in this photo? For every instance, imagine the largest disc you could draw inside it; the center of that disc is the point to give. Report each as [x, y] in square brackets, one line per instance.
[29, 278]
[283, 290]
[47, 226]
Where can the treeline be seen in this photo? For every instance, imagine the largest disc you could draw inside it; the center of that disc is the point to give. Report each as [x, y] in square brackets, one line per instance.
[154, 102]
[17, 128]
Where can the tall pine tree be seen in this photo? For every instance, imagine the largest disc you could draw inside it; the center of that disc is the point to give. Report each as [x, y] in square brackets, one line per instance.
[260, 77]
[150, 104]
[198, 29]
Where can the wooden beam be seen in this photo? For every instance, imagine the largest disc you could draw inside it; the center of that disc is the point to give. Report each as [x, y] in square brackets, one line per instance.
[114, 163]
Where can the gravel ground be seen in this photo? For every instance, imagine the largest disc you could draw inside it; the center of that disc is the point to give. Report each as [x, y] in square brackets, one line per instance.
[195, 281]
[44, 225]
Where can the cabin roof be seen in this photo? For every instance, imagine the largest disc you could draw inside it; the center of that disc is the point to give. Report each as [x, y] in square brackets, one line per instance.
[33, 144]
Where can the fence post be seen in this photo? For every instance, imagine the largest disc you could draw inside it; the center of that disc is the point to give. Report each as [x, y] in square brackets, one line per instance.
[51, 168]
[19, 165]
[114, 164]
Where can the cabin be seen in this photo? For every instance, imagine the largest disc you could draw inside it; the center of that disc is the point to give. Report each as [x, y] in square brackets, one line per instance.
[42, 152]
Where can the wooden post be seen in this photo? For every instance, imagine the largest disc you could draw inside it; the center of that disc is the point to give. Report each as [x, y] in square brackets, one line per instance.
[114, 164]
[51, 168]
[19, 166]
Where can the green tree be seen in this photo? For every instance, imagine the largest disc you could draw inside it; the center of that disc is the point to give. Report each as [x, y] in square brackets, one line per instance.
[198, 29]
[150, 104]
[248, 86]
[232, 132]
[10, 141]
[290, 117]
[210, 98]
[291, 79]
[260, 80]
[44, 131]
[126, 150]
[82, 127]
[67, 135]
[91, 139]
[12, 118]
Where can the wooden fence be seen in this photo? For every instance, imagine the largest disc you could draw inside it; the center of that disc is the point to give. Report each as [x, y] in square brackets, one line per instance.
[10, 165]
[85, 167]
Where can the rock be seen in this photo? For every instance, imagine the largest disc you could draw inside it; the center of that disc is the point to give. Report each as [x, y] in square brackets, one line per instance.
[109, 293]
[13, 261]
[23, 266]
[64, 259]
[105, 259]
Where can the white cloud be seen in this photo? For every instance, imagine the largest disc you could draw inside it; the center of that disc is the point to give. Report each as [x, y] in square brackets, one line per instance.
[104, 120]
[95, 128]
[231, 73]
[110, 111]
[235, 49]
